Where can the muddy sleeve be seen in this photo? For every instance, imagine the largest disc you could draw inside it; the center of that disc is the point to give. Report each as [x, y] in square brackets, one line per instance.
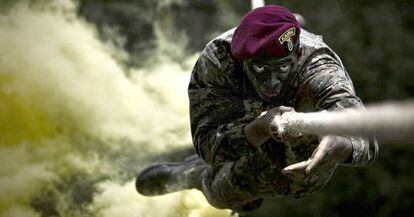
[217, 113]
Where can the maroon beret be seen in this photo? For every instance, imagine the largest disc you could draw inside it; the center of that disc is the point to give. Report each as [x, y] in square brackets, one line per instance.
[270, 31]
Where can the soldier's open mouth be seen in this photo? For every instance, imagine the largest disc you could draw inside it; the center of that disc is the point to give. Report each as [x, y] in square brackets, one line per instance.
[271, 93]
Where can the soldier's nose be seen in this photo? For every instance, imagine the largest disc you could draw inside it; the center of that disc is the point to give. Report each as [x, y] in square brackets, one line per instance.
[274, 81]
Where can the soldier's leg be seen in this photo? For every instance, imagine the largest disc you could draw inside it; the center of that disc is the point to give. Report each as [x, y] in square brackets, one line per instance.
[219, 184]
[223, 192]
[163, 178]
[241, 185]
[238, 185]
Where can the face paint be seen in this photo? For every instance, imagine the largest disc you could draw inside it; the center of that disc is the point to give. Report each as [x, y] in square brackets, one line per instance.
[268, 75]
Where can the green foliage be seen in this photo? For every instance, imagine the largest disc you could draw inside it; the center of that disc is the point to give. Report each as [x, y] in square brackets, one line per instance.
[374, 40]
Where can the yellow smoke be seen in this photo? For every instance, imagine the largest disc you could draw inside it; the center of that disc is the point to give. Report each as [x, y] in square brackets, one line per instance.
[74, 128]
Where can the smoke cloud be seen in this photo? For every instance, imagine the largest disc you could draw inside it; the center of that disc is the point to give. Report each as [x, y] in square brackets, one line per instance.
[75, 128]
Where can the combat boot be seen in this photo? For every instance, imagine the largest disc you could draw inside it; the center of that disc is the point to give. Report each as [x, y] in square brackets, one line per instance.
[166, 178]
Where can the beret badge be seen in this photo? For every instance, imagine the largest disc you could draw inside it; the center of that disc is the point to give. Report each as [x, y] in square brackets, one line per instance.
[287, 37]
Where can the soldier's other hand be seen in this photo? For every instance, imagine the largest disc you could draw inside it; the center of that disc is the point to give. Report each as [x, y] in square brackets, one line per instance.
[331, 150]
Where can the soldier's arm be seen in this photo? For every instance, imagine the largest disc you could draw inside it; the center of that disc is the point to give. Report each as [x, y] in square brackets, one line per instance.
[330, 88]
[217, 112]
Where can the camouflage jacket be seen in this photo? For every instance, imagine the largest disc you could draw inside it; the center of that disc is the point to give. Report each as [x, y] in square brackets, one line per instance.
[222, 101]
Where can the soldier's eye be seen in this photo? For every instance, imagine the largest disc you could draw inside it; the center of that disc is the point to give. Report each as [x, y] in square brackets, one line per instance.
[285, 68]
[259, 68]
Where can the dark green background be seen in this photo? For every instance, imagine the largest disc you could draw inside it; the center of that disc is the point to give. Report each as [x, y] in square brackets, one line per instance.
[375, 40]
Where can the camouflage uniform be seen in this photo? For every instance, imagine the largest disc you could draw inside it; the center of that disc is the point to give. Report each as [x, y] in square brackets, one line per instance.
[222, 102]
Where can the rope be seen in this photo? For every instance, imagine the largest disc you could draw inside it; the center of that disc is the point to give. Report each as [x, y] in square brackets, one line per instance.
[389, 122]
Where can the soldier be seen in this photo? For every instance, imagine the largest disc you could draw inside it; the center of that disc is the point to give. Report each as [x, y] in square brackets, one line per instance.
[267, 64]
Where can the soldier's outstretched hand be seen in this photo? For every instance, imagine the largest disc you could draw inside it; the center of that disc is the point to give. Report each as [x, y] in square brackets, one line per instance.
[330, 151]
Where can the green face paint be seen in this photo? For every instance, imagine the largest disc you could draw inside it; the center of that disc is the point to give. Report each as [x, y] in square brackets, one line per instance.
[269, 75]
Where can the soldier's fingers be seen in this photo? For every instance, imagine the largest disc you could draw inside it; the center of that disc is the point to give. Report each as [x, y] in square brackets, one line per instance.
[284, 109]
[317, 158]
[296, 175]
[298, 167]
[274, 112]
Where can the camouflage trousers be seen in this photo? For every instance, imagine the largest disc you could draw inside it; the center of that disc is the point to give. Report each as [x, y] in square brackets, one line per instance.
[242, 185]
